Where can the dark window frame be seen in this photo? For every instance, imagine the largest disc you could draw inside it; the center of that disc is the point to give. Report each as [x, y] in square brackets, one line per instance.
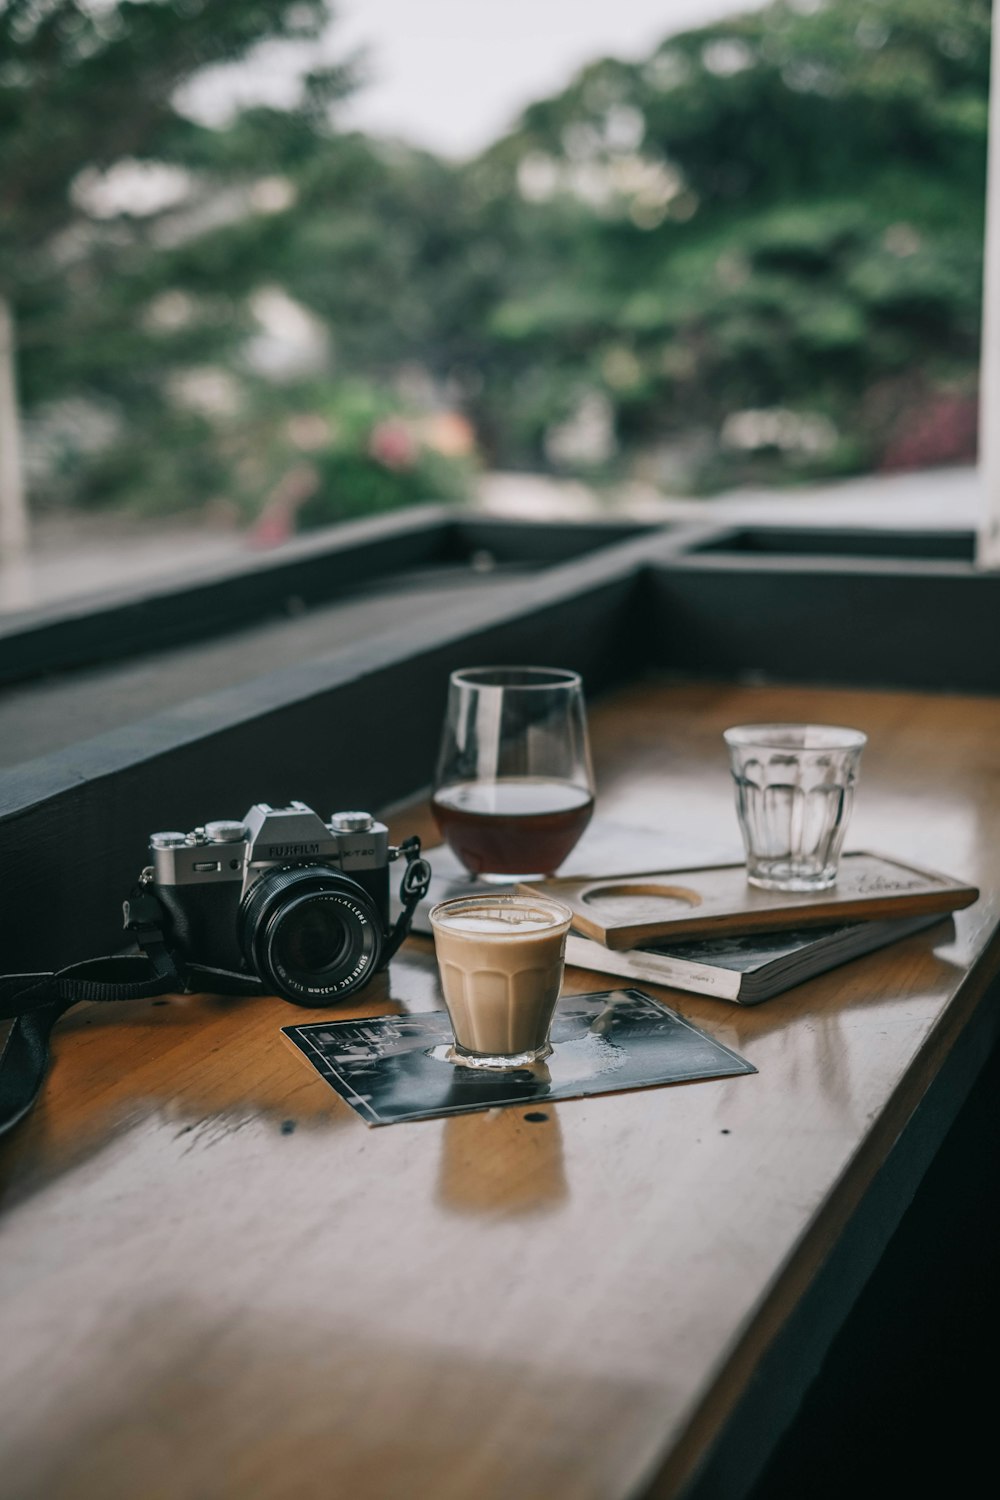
[613, 600]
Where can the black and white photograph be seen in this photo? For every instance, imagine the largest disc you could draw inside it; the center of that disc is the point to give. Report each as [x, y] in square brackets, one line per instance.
[398, 1067]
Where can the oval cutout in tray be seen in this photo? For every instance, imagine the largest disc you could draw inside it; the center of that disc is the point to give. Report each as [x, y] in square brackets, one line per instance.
[624, 901]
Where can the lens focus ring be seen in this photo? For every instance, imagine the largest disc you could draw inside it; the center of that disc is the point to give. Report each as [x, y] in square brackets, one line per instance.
[311, 933]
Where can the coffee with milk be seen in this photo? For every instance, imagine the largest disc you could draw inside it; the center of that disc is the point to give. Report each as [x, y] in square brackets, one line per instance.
[501, 963]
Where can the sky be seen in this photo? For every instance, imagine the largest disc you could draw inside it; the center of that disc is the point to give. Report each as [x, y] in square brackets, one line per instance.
[451, 75]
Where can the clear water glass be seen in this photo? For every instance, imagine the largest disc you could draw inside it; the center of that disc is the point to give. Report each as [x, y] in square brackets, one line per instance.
[794, 794]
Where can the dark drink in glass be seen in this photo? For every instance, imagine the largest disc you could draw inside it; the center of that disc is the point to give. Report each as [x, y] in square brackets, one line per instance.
[514, 788]
[513, 826]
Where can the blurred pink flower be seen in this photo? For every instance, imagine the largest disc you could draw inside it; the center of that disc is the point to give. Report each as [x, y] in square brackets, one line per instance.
[449, 433]
[277, 521]
[940, 429]
[393, 445]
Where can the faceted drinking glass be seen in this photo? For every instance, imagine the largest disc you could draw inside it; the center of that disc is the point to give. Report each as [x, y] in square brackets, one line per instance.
[514, 788]
[794, 793]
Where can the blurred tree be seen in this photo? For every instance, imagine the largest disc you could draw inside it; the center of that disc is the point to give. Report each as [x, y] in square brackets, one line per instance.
[88, 120]
[754, 255]
[779, 240]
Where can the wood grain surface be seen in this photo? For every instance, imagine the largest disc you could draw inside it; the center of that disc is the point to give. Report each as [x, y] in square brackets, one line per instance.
[706, 901]
[215, 1281]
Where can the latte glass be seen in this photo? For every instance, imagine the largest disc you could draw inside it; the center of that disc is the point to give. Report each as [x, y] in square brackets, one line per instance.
[794, 794]
[501, 963]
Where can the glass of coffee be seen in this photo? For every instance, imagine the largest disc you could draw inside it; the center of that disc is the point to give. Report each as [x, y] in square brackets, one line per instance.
[501, 964]
[514, 788]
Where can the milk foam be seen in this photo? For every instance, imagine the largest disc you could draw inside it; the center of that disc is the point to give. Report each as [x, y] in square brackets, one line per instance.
[514, 926]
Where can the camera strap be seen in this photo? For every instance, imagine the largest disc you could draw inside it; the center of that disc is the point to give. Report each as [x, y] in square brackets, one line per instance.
[412, 889]
[35, 1002]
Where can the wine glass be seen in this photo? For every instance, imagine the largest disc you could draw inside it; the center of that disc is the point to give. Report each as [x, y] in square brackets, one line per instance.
[514, 788]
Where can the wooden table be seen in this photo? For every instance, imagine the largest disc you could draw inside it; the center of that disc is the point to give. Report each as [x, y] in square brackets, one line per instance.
[217, 1282]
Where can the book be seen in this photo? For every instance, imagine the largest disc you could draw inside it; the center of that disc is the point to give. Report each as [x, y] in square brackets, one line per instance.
[743, 967]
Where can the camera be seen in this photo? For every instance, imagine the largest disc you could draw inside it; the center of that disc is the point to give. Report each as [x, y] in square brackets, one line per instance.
[300, 904]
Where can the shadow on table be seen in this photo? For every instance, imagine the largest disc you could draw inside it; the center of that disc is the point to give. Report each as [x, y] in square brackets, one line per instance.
[502, 1163]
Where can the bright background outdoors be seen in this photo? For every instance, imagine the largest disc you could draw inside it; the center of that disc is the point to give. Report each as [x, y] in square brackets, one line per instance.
[264, 267]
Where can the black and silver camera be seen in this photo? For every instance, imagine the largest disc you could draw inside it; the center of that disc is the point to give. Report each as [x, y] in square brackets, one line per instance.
[299, 904]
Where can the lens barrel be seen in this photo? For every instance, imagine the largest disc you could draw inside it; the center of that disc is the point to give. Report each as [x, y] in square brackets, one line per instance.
[311, 933]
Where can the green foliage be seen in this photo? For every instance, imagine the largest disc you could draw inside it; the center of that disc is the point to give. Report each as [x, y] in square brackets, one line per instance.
[147, 316]
[783, 210]
[170, 461]
[758, 250]
[85, 85]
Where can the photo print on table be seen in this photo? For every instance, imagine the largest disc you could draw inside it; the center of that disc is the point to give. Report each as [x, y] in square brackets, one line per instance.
[397, 1068]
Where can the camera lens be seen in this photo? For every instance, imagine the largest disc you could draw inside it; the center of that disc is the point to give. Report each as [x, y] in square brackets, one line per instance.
[311, 933]
[311, 943]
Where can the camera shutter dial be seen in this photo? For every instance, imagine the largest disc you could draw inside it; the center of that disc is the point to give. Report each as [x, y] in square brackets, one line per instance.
[224, 832]
[352, 822]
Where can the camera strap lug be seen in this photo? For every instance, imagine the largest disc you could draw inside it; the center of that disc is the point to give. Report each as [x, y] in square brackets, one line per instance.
[412, 889]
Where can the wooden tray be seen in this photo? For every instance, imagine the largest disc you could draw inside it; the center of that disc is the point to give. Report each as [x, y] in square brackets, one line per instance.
[627, 911]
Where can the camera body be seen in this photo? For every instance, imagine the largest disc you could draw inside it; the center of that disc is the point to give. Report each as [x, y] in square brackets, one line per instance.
[301, 904]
